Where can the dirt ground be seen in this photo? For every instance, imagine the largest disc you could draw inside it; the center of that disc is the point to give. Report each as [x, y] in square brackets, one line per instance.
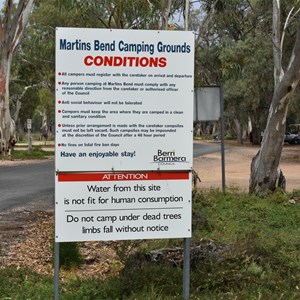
[237, 167]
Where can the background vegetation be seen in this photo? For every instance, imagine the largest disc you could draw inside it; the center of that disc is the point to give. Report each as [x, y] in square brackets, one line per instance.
[233, 47]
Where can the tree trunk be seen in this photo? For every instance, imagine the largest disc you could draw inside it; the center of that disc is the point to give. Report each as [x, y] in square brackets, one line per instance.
[265, 172]
[4, 102]
[215, 127]
[44, 128]
[11, 30]
[239, 131]
[255, 134]
[17, 111]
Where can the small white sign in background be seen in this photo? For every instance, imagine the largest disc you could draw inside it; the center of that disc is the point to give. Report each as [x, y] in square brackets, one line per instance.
[29, 123]
[124, 99]
[207, 104]
[122, 206]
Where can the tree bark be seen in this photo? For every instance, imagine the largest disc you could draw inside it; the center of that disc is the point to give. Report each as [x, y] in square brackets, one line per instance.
[11, 30]
[239, 131]
[4, 101]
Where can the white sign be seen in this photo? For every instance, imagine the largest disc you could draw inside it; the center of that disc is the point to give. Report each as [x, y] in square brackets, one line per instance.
[124, 99]
[29, 123]
[207, 104]
[122, 206]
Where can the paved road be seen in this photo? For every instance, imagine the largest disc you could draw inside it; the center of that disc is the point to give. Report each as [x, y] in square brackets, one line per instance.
[202, 149]
[29, 185]
[32, 185]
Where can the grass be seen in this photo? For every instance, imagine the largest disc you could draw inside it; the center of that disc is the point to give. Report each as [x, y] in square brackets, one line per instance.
[264, 253]
[24, 284]
[36, 152]
[260, 257]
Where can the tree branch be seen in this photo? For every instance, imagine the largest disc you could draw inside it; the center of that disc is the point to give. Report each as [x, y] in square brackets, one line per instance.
[277, 50]
[294, 64]
[286, 24]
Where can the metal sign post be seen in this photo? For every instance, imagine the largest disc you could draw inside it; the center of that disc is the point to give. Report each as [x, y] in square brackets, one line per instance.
[56, 271]
[186, 268]
[222, 138]
[29, 123]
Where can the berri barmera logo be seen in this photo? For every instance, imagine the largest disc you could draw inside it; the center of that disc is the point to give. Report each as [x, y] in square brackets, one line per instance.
[168, 158]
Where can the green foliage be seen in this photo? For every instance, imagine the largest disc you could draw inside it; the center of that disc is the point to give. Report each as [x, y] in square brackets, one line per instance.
[129, 14]
[235, 47]
[34, 64]
[248, 89]
[29, 103]
[46, 105]
[69, 255]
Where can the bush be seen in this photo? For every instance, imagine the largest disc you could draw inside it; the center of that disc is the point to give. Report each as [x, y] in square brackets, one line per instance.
[69, 255]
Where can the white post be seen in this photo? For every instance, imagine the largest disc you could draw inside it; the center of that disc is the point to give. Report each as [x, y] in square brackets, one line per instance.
[28, 133]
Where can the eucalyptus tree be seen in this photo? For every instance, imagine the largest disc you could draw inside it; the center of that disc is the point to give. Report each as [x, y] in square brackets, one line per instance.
[226, 42]
[12, 24]
[265, 172]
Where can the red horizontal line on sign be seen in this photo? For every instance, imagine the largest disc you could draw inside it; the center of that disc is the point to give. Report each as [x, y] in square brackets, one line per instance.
[122, 176]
